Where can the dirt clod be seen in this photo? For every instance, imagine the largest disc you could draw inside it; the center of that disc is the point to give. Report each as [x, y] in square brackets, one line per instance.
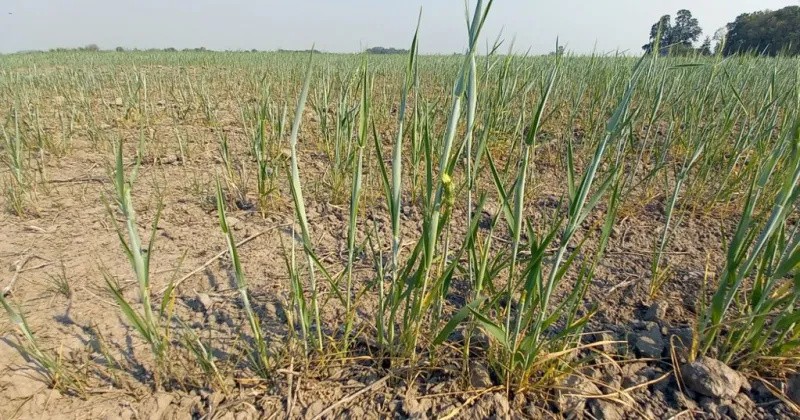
[605, 410]
[649, 343]
[571, 399]
[711, 378]
[656, 312]
[740, 408]
[479, 376]
[205, 301]
[793, 388]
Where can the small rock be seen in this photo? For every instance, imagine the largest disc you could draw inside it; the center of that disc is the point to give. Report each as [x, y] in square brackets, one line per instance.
[610, 383]
[170, 159]
[651, 373]
[235, 223]
[793, 388]
[272, 311]
[500, 404]
[571, 400]
[710, 405]
[315, 408]
[607, 340]
[479, 376]
[605, 410]
[416, 409]
[438, 388]
[633, 368]
[656, 312]
[631, 374]
[650, 343]
[683, 400]
[633, 380]
[206, 301]
[711, 378]
[740, 408]
[118, 101]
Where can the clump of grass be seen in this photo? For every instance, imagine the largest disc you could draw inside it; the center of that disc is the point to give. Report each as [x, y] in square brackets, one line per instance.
[58, 372]
[16, 187]
[59, 283]
[144, 321]
[263, 145]
[203, 356]
[753, 319]
[259, 354]
[355, 198]
[302, 218]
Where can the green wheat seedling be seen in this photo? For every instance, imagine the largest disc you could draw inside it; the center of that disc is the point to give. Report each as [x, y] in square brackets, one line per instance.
[300, 213]
[17, 187]
[524, 340]
[337, 124]
[659, 274]
[59, 283]
[259, 354]
[761, 321]
[389, 301]
[144, 321]
[426, 272]
[355, 198]
[203, 355]
[58, 373]
[265, 171]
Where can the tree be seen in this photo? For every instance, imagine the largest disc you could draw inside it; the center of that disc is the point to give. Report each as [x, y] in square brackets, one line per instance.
[705, 48]
[766, 32]
[383, 50]
[659, 34]
[677, 38]
[686, 30]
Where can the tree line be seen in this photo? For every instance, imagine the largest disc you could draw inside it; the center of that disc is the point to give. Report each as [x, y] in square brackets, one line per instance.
[94, 47]
[765, 32]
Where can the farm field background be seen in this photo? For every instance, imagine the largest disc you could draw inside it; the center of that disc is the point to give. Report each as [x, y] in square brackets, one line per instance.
[369, 236]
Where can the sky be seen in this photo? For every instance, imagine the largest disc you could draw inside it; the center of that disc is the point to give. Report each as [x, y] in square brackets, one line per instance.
[582, 26]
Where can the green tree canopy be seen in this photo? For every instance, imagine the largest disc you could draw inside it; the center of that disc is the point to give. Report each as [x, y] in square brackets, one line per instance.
[766, 32]
[679, 36]
[384, 50]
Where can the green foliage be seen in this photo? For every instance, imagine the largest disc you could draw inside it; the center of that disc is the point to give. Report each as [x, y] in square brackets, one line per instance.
[149, 325]
[676, 38]
[766, 32]
[259, 354]
[384, 50]
[753, 316]
[58, 373]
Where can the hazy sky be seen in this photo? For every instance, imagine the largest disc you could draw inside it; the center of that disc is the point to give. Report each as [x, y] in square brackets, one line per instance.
[346, 25]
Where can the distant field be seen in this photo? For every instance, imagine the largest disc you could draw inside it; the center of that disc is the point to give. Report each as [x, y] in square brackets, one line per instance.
[428, 236]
